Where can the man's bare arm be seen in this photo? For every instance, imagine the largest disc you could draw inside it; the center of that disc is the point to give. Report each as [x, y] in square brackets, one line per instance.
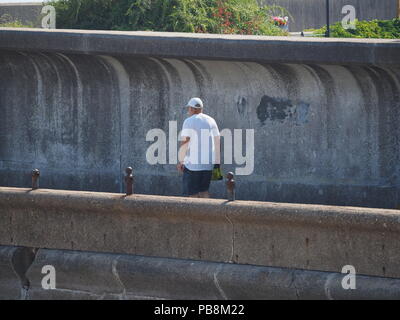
[182, 153]
[217, 143]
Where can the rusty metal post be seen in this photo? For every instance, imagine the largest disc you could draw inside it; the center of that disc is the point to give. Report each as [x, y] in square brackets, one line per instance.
[35, 179]
[230, 186]
[129, 181]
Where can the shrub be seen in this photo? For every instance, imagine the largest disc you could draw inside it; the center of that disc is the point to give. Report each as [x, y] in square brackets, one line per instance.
[386, 29]
[85, 14]
[7, 21]
[208, 16]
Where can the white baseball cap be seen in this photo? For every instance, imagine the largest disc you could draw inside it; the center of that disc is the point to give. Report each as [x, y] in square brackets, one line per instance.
[195, 103]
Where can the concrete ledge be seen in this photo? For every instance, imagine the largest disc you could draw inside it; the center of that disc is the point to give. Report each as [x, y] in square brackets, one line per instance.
[292, 236]
[204, 46]
[85, 275]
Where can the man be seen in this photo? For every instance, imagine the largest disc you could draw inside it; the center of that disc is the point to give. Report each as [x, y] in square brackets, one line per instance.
[199, 152]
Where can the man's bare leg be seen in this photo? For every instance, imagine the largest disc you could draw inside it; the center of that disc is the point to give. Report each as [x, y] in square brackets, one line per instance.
[205, 194]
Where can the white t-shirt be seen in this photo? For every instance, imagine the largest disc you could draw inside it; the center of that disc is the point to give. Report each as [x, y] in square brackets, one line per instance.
[201, 129]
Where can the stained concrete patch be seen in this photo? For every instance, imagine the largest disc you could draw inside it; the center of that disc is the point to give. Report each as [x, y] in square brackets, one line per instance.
[242, 105]
[280, 109]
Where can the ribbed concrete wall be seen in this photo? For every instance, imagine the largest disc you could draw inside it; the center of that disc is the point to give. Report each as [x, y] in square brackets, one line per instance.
[325, 132]
[309, 14]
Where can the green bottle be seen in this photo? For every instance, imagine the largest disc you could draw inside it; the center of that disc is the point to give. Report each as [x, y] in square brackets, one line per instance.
[217, 173]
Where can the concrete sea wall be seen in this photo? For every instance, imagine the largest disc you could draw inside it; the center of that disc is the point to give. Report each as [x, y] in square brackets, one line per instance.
[325, 114]
[109, 246]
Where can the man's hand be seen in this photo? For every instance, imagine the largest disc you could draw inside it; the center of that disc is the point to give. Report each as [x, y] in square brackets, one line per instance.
[180, 167]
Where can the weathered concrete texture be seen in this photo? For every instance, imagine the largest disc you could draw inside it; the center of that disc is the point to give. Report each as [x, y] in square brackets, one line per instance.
[14, 262]
[204, 46]
[309, 14]
[86, 275]
[324, 134]
[28, 13]
[291, 236]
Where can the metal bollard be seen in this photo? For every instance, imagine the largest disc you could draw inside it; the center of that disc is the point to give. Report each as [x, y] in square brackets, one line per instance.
[129, 181]
[35, 179]
[230, 186]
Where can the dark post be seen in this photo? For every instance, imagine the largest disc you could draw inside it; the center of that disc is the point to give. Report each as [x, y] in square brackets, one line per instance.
[328, 28]
[35, 179]
[230, 186]
[129, 181]
[398, 9]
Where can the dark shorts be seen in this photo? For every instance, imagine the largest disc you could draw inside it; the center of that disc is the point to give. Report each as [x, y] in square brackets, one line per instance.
[195, 181]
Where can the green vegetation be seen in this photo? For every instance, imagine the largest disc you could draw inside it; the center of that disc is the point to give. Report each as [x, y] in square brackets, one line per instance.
[6, 21]
[205, 16]
[386, 29]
